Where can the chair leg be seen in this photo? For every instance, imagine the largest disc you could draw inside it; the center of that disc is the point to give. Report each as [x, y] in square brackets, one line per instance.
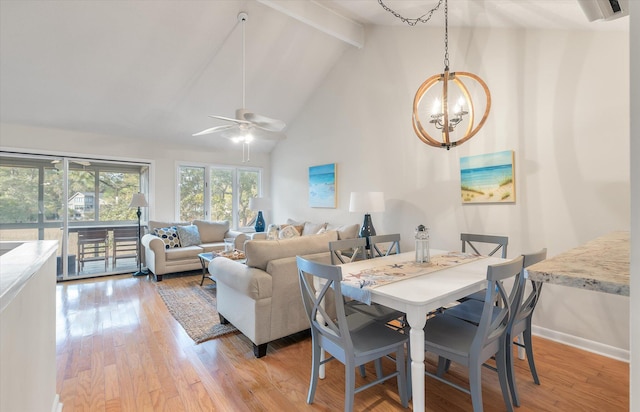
[511, 376]
[443, 366]
[349, 386]
[363, 373]
[528, 344]
[403, 388]
[315, 372]
[378, 365]
[502, 366]
[475, 385]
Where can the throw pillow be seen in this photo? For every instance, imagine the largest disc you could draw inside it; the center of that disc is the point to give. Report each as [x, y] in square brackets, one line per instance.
[188, 235]
[169, 236]
[313, 228]
[288, 232]
[348, 231]
[212, 231]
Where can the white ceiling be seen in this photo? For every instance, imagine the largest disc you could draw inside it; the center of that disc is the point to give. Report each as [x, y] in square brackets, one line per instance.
[156, 70]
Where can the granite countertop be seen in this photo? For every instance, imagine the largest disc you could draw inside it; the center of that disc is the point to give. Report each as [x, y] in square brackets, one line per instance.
[601, 265]
[18, 262]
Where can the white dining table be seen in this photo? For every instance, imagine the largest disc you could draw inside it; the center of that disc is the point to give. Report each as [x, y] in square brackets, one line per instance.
[418, 295]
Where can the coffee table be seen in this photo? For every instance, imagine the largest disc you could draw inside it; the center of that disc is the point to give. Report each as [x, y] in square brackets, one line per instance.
[205, 258]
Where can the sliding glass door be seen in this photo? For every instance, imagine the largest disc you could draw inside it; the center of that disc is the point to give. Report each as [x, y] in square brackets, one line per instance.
[82, 203]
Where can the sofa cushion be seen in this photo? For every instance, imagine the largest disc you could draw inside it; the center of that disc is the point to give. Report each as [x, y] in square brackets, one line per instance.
[169, 236]
[260, 252]
[183, 253]
[212, 231]
[188, 235]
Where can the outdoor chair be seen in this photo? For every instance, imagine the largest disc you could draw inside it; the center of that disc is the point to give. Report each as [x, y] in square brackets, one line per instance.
[125, 244]
[93, 245]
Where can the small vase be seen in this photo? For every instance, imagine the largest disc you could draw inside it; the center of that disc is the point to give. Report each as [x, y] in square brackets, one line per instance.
[259, 222]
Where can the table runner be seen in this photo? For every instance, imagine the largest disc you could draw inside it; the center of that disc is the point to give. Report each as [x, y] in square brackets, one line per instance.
[358, 284]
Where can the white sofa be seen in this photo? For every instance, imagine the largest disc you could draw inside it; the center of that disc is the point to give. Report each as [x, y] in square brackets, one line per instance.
[262, 297]
[164, 257]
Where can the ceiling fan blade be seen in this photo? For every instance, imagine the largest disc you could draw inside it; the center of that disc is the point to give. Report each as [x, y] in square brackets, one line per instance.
[267, 123]
[213, 130]
[263, 134]
[230, 119]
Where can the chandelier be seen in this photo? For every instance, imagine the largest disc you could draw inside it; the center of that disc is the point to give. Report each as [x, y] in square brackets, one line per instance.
[443, 118]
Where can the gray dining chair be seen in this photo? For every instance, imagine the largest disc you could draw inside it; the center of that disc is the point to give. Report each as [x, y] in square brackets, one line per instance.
[348, 250]
[522, 326]
[354, 341]
[459, 341]
[471, 311]
[473, 241]
[391, 242]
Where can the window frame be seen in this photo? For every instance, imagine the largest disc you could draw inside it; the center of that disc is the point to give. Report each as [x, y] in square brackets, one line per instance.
[235, 203]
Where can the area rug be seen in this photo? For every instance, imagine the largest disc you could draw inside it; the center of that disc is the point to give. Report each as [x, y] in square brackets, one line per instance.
[193, 306]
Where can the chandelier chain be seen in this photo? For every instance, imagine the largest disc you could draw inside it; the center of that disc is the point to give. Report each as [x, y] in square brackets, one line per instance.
[446, 35]
[412, 21]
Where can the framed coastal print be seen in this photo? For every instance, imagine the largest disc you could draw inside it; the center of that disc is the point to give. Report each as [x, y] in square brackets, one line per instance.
[488, 178]
[322, 186]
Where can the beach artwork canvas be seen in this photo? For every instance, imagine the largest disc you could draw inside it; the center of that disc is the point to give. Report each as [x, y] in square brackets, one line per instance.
[488, 178]
[322, 186]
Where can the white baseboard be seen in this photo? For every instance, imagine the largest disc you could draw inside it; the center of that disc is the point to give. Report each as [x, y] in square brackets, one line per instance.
[57, 406]
[582, 343]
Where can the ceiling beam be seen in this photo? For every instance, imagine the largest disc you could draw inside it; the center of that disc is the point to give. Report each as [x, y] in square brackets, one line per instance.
[321, 18]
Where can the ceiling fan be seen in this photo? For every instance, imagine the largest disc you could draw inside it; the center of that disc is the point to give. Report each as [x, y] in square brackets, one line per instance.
[246, 126]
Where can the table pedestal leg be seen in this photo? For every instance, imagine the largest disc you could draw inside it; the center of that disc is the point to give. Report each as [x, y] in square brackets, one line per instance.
[416, 337]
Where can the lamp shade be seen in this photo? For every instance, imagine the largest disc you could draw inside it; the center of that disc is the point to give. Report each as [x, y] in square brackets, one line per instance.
[260, 203]
[138, 200]
[368, 202]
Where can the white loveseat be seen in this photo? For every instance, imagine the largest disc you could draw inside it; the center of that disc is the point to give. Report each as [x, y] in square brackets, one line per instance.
[169, 255]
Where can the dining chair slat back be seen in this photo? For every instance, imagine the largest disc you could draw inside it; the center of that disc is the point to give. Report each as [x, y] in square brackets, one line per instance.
[471, 240]
[392, 242]
[348, 250]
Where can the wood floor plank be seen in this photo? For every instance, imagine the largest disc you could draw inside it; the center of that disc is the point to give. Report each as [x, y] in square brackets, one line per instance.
[119, 349]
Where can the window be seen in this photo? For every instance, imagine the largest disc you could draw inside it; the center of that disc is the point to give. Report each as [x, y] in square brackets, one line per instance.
[191, 188]
[227, 197]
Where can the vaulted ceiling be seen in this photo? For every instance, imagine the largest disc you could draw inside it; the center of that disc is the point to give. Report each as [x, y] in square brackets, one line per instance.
[156, 70]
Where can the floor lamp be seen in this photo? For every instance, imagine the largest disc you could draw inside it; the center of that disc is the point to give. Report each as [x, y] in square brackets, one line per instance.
[138, 200]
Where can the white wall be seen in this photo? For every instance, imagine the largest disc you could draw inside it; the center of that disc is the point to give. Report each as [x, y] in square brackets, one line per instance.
[164, 157]
[635, 206]
[560, 101]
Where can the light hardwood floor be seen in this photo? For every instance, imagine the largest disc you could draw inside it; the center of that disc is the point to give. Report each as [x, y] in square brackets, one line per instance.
[119, 349]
